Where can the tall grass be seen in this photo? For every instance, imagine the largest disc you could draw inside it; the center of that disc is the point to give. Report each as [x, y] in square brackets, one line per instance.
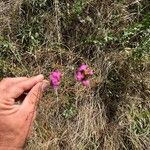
[112, 37]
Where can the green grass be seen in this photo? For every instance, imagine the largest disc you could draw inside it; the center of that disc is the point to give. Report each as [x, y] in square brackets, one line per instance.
[112, 37]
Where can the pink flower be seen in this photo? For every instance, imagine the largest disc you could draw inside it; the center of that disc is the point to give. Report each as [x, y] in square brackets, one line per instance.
[83, 73]
[83, 67]
[79, 76]
[91, 72]
[55, 78]
[86, 82]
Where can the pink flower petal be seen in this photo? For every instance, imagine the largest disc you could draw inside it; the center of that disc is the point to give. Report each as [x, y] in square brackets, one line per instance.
[91, 72]
[83, 67]
[83, 73]
[56, 74]
[86, 83]
[79, 76]
[55, 78]
[55, 82]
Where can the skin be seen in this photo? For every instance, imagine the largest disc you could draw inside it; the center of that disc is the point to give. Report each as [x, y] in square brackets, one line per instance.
[16, 119]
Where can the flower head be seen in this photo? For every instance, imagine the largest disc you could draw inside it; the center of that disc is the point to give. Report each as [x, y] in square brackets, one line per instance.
[83, 73]
[55, 78]
[86, 82]
[83, 67]
[79, 76]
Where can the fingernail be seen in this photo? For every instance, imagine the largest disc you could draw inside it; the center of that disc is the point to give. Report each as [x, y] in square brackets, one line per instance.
[40, 77]
[45, 85]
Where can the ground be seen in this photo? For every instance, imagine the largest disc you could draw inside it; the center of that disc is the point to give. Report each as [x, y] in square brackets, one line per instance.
[112, 37]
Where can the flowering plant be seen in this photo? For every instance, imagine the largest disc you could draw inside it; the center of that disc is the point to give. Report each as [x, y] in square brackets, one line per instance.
[83, 73]
[55, 78]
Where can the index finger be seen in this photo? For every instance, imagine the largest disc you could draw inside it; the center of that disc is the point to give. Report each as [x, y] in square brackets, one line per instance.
[25, 85]
[10, 81]
[28, 84]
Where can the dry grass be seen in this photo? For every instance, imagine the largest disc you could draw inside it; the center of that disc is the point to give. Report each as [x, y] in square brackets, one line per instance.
[113, 114]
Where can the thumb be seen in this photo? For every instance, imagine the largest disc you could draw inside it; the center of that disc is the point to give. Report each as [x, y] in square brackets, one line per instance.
[32, 99]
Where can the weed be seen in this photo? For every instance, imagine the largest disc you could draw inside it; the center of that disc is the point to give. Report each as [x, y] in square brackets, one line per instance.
[40, 36]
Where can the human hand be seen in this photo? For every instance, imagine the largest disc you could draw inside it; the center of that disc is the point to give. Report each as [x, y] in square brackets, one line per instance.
[16, 120]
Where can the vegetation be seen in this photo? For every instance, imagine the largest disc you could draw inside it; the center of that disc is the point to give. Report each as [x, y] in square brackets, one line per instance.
[112, 37]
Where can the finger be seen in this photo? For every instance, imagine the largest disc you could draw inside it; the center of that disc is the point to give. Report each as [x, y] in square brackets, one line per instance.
[26, 124]
[34, 116]
[10, 81]
[22, 96]
[18, 79]
[29, 132]
[25, 85]
[28, 84]
[32, 99]
[31, 120]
